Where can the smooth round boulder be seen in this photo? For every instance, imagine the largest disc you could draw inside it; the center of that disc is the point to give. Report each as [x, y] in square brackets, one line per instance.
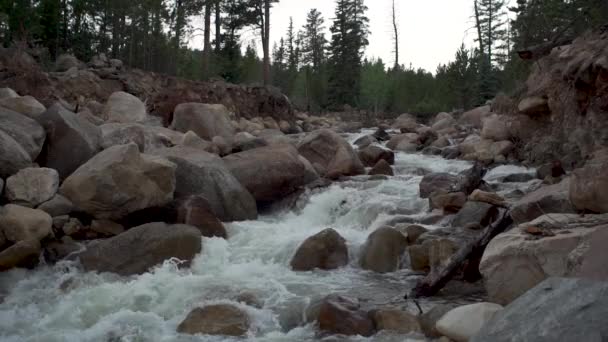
[19, 223]
[206, 120]
[343, 316]
[383, 250]
[326, 250]
[373, 154]
[195, 211]
[381, 168]
[333, 155]
[220, 319]
[7, 93]
[396, 321]
[28, 133]
[13, 157]
[462, 323]
[32, 186]
[124, 108]
[22, 254]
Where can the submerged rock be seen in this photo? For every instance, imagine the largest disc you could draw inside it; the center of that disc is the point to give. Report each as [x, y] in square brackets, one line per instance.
[326, 250]
[220, 319]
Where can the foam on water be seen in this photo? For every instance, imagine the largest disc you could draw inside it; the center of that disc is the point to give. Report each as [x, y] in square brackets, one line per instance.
[63, 303]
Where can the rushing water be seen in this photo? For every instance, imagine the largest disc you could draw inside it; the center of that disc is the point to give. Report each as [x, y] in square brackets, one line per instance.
[62, 303]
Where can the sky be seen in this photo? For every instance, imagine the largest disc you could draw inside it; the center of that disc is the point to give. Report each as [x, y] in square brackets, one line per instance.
[430, 30]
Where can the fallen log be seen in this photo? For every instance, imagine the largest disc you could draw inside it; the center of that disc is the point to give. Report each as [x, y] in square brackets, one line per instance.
[472, 252]
[538, 51]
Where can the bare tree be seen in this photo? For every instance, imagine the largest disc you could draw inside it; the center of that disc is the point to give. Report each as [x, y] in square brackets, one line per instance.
[207, 43]
[395, 36]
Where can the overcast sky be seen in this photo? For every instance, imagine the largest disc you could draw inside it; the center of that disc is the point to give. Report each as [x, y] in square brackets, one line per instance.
[431, 30]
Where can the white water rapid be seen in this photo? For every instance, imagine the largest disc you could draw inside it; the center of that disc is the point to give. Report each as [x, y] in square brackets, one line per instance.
[62, 303]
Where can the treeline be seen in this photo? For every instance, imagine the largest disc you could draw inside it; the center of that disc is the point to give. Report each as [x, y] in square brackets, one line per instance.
[319, 72]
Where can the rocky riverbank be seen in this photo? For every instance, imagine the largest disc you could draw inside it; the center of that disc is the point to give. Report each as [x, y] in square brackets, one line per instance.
[125, 198]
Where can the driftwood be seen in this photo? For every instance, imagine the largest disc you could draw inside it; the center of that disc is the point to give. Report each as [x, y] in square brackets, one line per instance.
[538, 51]
[433, 283]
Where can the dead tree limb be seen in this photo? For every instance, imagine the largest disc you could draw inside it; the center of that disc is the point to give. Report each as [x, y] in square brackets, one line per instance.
[434, 282]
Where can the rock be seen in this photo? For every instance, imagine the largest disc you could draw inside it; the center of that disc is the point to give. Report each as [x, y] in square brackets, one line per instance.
[65, 62]
[22, 254]
[437, 183]
[119, 181]
[439, 251]
[1, 186]
[514, 262]
[25, 131]
[271, 173]
[556, 310]
[107, 228]
[203, 174]
[25, 105]
[495, 128]
[195, 211]
[462, 323]
[396, 321]
[476, 116]
[71, 140]
[533, 106]
[57, 206]
[141, 248]
[546, 200]
[58, 250]
[12, 156]
[147, 138]
[381, 168]
[19, 223]
[219, 319]
[381, 134]
[476, 212]
[406, 123]
[450, 153]
[589, 187]
[32, 186]
[518, 178]
[383, 250]
[412, 232]
[206, 120]
[326, 250]
[450, 202]
[334, 155]
[428, 320]
[487, 197]
[244, 141]
[72, 227]
[194, 141]
[365, 141]
[7, 93]
[343, 316]
[371, 155]
[443, 124]
[419, 257]
[124, 108]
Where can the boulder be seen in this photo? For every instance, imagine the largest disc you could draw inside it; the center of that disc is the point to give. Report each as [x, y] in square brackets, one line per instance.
[396, 321]
[1, 186]
[107, 228]
[271, 173]
[57, 206]
[443, 124]
[141, 248]
[462, 323]
[546, 200]
[343, 316]
[558, 309]
[383, 250]
[192, 140]
[195, 211]
[147, 138]
[58, 250]
[487, 197]
[326, 250]
[371, 155]
[19, 223]
[589, 187]
[71, 140]
[13, 157]
[514, 262]
[495, 128]
[22, 254]
[219, 319]
[476, 213]
[419, 257]
[450, 202]
[32, 186]
[437, 183]
[470, 144]
[120, 181]
[476, 116]
[412, 232]
[204, 174]
[124, 108]
[7, 93]
[406, 123]
[365, 141]
[206, 120]
[333, 155]
[428, 320]
[398, 142]
[25, 131]
[25, 105]
[381, 134]
[381, 168]
[533, 106]
[244, 141]
[66, 62]
[439, 252]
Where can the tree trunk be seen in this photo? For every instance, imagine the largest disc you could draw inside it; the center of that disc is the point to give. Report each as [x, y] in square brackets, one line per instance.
[207, 43]
[218, 26]
[266, 42]
[478, 25]
[396, 32]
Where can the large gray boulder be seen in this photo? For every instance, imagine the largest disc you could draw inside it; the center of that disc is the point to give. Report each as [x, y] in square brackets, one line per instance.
[383, 250]
[326, 250]
[32, 186]
[272, 172]
[21, 254]
[558, 309]
[13, 157]
[204, 174]
[124, 108]
[462, 323]
[19, 223]
[119, 181]
[546, 200]
[25, 105]
[25, 131]
[141, 248]
[515, 261]
[330, 154]
[71, 140]
[147, 138]
[206, 120]
[589, 187]
[7, 93]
